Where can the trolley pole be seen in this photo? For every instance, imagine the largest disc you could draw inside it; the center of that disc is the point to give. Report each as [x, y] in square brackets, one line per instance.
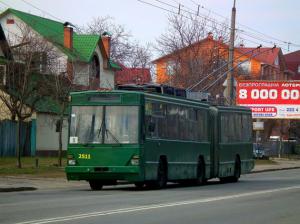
[230, 77]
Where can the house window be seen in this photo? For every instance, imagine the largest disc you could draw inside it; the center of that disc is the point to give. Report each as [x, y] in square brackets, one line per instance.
[276, 62]
[39, 62]
[10, 21]
[172, 68]
[2, 75]
[244, 67]
[195, 64]
[298, 68]
[95, 67]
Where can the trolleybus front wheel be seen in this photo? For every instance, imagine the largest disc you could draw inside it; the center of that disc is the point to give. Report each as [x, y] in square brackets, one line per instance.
[162, 175]
[139, 185]
[95, 185]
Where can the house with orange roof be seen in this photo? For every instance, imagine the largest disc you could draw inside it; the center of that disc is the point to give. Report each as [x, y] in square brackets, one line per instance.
[263, 63]
[210, 56]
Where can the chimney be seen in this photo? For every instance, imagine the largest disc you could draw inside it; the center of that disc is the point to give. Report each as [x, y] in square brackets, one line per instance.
[106, 38]
[210, 36]
[68, 43]
[68, 35]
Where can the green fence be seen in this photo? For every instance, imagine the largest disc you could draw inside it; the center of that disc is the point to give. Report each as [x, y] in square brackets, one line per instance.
[8, 138]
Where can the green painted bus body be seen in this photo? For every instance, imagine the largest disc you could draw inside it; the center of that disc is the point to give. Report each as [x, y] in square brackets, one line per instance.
[112, 162]
[227, 152]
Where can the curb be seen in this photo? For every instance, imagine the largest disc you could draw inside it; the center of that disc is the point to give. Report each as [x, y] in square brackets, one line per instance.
[275, 169]
[14, 189]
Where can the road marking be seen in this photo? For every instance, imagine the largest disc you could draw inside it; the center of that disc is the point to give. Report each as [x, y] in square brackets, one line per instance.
[156, 206]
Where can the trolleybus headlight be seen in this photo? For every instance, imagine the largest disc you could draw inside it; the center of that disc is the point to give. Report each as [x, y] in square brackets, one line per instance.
[135, 160]
[72, 162]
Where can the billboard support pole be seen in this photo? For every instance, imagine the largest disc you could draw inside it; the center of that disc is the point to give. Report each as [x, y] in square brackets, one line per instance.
[258, 133]
[230, 78]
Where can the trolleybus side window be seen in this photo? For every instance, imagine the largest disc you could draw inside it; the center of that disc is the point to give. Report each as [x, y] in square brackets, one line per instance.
[155, 120]
[170, 121]
[235, 128]
[192, 125]
[202, 132]
[183, 124]
[246, 127]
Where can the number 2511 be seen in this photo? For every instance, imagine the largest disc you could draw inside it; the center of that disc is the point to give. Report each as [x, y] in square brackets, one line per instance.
[84, 156]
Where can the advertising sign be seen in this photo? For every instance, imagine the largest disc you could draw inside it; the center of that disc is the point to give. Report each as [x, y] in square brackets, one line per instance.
[270, 99]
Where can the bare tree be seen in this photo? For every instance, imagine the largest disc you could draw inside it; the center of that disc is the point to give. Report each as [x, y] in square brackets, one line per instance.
[120, 44]
[23, 88]
[124, 49]
[189, 60]
[140, 56]
[59, 88]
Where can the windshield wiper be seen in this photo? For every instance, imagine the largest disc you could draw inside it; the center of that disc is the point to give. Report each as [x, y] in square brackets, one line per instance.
[100, 129]
[112, 135]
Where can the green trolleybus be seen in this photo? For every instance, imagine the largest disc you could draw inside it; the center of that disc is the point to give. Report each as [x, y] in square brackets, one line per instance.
[151, 139]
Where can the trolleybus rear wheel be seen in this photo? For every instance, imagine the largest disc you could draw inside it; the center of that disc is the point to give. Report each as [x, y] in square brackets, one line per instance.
[237, 170]
[236, 174]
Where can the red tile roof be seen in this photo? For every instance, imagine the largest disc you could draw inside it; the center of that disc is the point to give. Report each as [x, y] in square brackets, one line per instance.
[133, 76]
[293, 62]
[267, 57]
[293, 56]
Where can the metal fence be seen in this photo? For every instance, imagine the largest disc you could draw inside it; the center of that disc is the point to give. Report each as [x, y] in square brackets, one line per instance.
[8, 138]
[277, 148]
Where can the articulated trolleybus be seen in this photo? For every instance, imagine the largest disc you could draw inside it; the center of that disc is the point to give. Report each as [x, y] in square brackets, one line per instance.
[151, 139]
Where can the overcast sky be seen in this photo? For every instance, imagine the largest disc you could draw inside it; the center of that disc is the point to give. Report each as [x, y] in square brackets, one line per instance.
[276, 18]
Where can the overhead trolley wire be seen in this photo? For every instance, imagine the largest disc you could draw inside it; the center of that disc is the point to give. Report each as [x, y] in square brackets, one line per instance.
[245, 33]
[205, 88]
[248, 27]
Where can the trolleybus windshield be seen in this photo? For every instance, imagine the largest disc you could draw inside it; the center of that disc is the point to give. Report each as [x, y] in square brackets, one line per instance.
[104, 125]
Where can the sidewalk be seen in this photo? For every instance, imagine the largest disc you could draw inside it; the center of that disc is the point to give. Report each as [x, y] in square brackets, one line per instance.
[23, 183]
[281, 164]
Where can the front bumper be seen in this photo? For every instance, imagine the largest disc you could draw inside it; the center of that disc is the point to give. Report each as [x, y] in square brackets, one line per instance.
[129, 173]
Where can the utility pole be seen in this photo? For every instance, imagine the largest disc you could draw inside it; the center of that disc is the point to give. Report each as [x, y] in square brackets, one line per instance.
[230, 77]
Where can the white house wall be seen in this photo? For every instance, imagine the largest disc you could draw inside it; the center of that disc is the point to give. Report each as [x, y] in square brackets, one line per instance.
[81, 73]
[13, 34]
[12, 31]
[46, 135]
[107, 77]
[81, 70]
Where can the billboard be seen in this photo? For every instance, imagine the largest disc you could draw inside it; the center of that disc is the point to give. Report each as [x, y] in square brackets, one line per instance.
[270, 99]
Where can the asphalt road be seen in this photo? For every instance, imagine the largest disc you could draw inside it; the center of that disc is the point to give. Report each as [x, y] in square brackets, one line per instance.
[271, 197]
